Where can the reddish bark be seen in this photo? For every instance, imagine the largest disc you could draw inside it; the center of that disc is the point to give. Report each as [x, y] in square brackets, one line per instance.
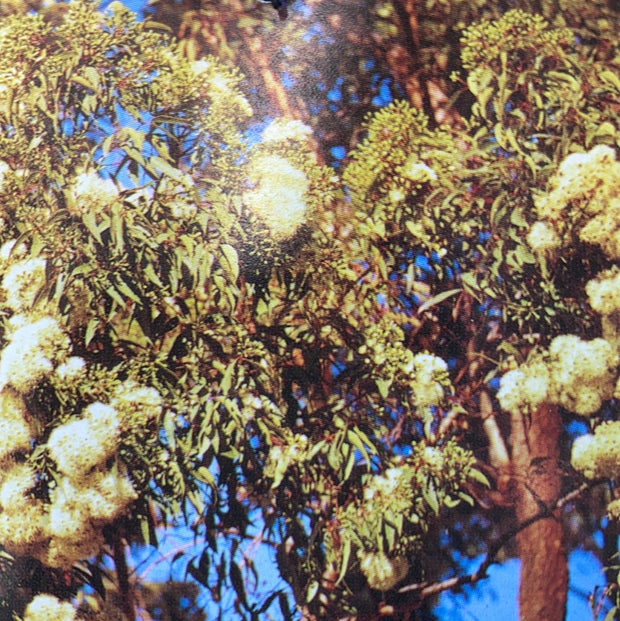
[544, 566]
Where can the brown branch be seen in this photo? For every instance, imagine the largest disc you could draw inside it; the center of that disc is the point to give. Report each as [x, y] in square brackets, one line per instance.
[125, 588]
[423, 591]
[420, 591]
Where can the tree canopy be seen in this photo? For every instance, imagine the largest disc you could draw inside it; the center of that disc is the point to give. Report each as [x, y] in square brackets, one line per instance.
[375, 367]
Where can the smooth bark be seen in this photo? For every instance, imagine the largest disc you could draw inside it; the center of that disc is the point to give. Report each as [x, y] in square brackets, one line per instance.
[544, 565]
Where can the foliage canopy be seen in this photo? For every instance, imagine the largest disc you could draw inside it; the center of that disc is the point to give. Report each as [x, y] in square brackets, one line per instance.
[194, 322]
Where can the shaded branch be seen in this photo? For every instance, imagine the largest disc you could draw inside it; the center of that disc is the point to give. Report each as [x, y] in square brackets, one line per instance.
[420, 591]
[423, 591]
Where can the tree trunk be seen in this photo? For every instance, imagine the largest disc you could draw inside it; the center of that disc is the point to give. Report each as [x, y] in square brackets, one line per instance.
[125, 588]
[544, 565]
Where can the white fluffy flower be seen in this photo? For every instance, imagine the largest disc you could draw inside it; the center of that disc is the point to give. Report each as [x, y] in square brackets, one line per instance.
[598, 455]
[543, 238]
[21, 283]
[281, 130]
[17, 482]
[383, 573]
[583, 373]
[91, 193]
[15, 432]
[137, 403]
[279, 195]
[34, 349]
[74, 367]
[604, 292]
[4, 168]
[46, 607]
[418, 171]
[80, 445]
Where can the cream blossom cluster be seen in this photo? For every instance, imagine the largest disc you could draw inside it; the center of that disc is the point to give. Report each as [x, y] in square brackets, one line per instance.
[15, 426]
[176, 196]
[424, 374]
[597, 455]
[576, 374]
[382, 572]
[284, 130]
[584, 193]
[21, 283]
[362, 522]
[35, 347]
[604, 292]
[527, 386]
[78, 511]
[543, 238]
[220, 86]
[72, 369]
[4, 169]
[45, 607]
[250, 403]
[613, 509]
[392, 488]
[417, 171]
[136, 404]
[92, 487]
[22, 514]
[278, 197]
[430, 378]
[282, 457]
[90, 193]
[80, 445]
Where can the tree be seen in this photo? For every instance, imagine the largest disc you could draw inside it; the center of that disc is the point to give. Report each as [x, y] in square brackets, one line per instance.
[222, 328]
[346, 58]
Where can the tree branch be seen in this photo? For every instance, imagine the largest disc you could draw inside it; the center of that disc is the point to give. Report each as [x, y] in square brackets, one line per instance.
[422, 591]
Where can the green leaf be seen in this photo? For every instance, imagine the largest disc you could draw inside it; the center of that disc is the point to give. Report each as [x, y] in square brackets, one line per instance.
[524, 256]
[313, 589]
[467, 498]
[230, 262]
[91, 330]
[353, 438]
[169, 428]
[149, 272]
[383, 386]
[346, 555]
[83, 82]
[605, 129]
[390, 534]
[470, 282]
[516, 218]
[350, 464]
[429, 494]
[160, 164]
[476, 475]
[437, 299]
[611, 78]
[88, 218]
[238, 584]
[116, 231]
[450, 502]
[150, 24]
[204, 475]
[227, 378]
[124, 288]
